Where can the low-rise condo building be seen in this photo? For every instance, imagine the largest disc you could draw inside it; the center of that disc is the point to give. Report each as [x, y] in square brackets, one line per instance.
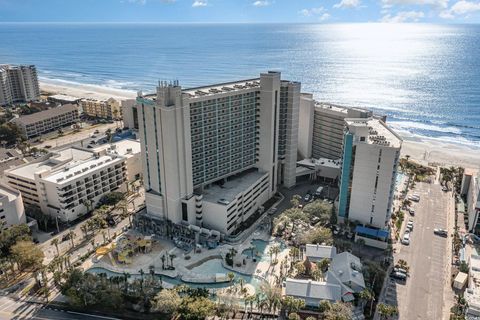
[18, 83]
[12, 211]
[49, 120]
[105, 109]
[63, 99]
[371, 152]
[68, 183]
[214, 155]
[321, 127]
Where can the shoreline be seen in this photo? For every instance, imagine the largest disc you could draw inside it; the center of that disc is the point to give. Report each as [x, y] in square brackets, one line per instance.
[421, 149]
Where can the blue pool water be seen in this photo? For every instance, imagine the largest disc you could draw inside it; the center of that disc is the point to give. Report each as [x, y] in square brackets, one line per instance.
[215, 264]
[261, 252]
[212, 267]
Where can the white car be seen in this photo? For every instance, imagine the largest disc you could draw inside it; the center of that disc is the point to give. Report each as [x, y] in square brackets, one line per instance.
[414, 197]
[410, 226]
[406, 239]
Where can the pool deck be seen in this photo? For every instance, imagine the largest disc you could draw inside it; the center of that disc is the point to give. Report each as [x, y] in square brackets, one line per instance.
[183, 263]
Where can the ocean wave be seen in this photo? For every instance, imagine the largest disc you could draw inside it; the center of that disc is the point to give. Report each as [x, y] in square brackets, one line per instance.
[414, 125]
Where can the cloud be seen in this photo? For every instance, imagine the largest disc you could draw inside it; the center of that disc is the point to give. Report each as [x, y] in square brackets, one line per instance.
[324, 17]
[460, 8]
[403, 16]
[321, 12]
[199, 3]
[312, 11]
[438, 4]
[261, 3]
[347, 4]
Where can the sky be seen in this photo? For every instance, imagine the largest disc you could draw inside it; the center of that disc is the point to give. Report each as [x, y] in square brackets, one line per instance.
[241, 11]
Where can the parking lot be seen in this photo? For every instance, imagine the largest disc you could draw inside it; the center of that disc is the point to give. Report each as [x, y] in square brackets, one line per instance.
[421, 296]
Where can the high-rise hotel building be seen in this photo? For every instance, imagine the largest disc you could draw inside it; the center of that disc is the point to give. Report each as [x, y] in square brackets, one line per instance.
[214, 155]
[18, 84]
[371, 152]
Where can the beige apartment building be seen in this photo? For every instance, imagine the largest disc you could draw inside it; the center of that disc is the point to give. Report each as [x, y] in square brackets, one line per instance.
[49, 120]
[105, 109]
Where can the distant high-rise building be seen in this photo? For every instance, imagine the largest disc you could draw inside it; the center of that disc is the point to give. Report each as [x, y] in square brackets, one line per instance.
[371, 152]
[214, 155]
[18, 84]
[321, 127]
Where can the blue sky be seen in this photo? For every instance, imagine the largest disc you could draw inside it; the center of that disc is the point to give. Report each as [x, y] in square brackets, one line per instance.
[239, 11]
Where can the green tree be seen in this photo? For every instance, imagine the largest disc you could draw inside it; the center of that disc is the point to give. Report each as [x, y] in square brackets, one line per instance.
[10, 236]
[319, 209]
[294, 316]
[27, 255]
[54, 242]
[386, 311]
[167, 301]
[192, 308]
[295, 200]
[335, 311]
[318, 235]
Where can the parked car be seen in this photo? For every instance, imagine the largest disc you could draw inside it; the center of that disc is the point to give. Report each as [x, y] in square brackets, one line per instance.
[307, 197]
[440, 232]
[444, 189]
[406, 239]
[400, 270]
[411, 211]
[336, 229]
[414, 197]
[96, 131]
[410, 225]
[398, 276]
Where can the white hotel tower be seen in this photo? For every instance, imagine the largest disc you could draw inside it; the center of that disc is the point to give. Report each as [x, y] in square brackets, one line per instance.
[214, 155]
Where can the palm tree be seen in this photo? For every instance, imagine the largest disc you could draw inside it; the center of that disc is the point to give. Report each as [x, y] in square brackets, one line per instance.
[171, 256]
[366, 295]
[151, 270]
[163, 261]
[72, 235]
[273, 296]
[55, 243]
[84, 229]
[230, 276]
[141, 278]
[386, 311]
[241, 282]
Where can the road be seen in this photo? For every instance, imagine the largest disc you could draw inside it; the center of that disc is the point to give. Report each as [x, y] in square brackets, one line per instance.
[428, 256]
[19, 309]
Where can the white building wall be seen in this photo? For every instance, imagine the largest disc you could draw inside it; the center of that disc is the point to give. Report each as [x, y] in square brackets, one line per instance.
[370, 205]
[12, 211]
[305, 127]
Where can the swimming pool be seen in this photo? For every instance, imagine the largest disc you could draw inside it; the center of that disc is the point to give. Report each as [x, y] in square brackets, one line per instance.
[253, 280]
[210, 267]
[261, 248]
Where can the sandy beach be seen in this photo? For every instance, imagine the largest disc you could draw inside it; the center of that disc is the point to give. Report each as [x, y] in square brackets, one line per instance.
[423, 150]
[85, 90]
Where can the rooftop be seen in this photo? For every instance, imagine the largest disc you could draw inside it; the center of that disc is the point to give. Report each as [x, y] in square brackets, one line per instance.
[47, 114]
[347, 268]
[234, 186]
[313, 289]
[472, 294]
[377, 132]
[125, 147]
[64, 97]
[8, 192]
[76, 168]
[226, 87]
[322, 162]
[319, 251]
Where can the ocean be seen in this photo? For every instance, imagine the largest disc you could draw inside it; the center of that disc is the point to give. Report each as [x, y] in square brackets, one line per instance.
[425, 78]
